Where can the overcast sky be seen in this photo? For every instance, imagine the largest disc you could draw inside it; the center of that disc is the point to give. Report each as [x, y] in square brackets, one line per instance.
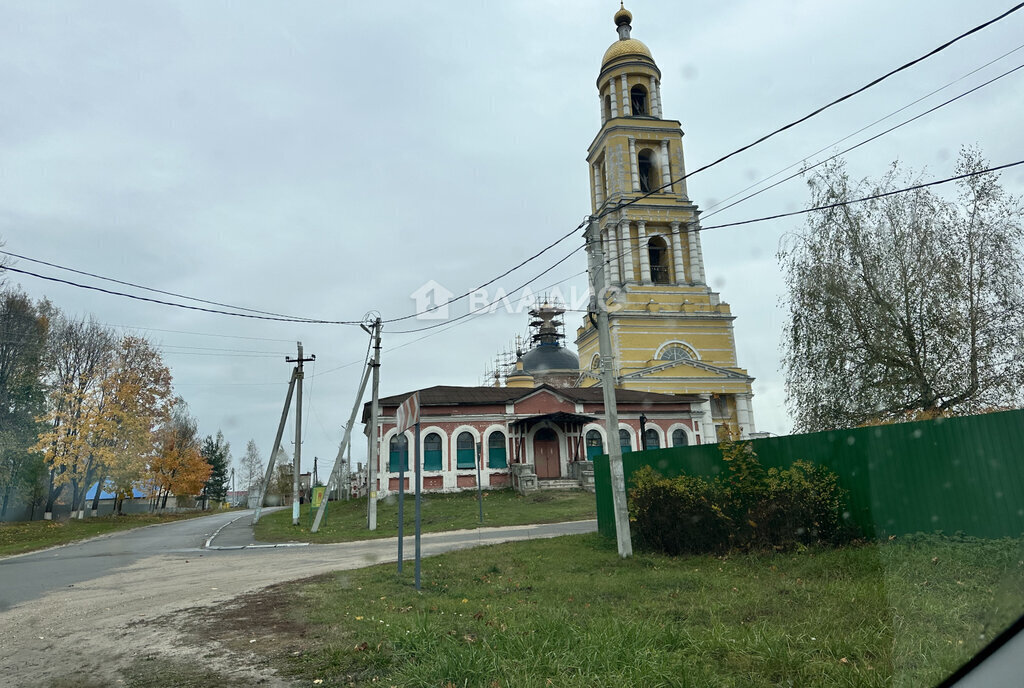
[326, 159]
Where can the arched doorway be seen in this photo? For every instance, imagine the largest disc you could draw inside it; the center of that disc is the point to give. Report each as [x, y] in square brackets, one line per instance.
[545, 454]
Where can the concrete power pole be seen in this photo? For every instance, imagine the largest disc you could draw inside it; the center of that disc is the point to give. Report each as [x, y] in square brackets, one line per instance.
[599, 316]
[371, 507]
[298, 431]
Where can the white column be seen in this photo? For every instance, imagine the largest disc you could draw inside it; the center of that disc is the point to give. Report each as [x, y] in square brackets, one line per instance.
[744, 416]
[626, 111]
[657, 88]
[634, 174]
[653, 97]
[600, 104]
[645, 257]
[707, 425]
[695, 266]
[666, 171]
[614, 98]
[677, 253]
[701, 277]
[613, 255]
[598, 186]
[628, 261]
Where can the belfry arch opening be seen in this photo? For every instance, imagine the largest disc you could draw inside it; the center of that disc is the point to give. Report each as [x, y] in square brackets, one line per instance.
[647, 170]
[657, 251]
[638, 100]
[607, 107]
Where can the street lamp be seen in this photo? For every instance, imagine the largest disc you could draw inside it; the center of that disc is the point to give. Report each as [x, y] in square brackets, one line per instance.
[643, 431]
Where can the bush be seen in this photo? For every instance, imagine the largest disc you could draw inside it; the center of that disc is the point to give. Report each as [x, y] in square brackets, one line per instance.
[676, 515]
[748, 508]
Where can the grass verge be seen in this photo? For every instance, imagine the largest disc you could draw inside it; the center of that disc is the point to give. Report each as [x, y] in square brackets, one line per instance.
[28, 536]
[346, 521]
[569, 612]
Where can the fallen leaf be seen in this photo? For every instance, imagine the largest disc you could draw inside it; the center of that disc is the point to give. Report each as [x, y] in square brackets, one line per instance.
[844, 660]
[362, 646]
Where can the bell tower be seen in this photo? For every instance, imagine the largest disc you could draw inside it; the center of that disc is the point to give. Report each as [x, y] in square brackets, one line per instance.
[670, 333]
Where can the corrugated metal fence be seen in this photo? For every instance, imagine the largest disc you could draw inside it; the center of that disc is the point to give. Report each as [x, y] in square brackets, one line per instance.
[951, 475]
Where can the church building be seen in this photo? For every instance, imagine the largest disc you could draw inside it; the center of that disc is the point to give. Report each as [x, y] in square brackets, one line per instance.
[674, 360]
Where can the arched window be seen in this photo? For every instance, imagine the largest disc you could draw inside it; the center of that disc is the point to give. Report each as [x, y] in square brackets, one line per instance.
[496, 456]
[651, 440]
[465, 454]
[595, 447]
[625, 442]
[595, 362]
[657, 251]
[638, 100]
[647, 170]
[398, 459]
[607, 108]
[432, 452]
[679, 438]
[675, 353]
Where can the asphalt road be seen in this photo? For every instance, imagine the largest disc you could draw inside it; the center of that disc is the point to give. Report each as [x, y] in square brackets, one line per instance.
[96, 607]
[30, 576]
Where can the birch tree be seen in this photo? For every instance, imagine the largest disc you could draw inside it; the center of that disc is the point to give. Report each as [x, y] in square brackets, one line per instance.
[906, 306]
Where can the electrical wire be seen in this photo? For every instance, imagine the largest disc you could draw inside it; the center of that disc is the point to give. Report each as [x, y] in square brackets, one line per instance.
[875, 82]
[145, 288]
[491, 303]
[177, 305]
[712, 207]
[266, 315]
[891, 129]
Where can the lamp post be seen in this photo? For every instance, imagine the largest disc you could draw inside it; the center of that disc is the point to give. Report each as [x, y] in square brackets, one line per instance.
[643, 432]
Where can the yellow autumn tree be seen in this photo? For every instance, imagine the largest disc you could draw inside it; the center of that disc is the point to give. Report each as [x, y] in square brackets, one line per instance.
[177, 466]
[79, 352]
[136, 401]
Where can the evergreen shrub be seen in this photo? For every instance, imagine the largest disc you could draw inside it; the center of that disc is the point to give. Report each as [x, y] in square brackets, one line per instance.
[747, 508]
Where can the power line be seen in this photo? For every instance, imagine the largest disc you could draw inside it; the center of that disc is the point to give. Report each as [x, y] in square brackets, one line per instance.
[858, 145]
[178, 305]
[145, 288]
[935, 51]
[873, 197]
[711, 210]
[199, 334]
[488, 305]
[266, 315]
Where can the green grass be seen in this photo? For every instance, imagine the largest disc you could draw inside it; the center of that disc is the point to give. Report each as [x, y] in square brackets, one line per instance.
[28, 536]
[346, 521]
[569, 612]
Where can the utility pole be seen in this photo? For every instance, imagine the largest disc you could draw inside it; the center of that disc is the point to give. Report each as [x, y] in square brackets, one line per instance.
[277, 445]
[371, 488]
[599, 317]
[346, 443]
[299, 360]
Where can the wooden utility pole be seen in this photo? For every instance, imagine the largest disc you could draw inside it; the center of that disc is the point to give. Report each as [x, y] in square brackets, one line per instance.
[371, 506]
[297, 463]
[599, 317]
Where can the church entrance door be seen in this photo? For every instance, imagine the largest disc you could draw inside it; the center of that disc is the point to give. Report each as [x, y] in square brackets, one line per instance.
[545, 454]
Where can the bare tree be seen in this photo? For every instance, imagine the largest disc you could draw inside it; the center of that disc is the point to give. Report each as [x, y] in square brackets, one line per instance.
[904, 306]
[251, 468]
[79, 353]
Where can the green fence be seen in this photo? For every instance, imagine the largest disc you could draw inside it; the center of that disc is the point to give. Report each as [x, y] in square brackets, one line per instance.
[951, 475]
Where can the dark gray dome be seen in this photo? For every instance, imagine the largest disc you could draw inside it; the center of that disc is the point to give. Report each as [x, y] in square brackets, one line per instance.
[545, 357]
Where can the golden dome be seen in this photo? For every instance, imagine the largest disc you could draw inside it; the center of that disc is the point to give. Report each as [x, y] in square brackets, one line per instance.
[623, 16]
[630, 46]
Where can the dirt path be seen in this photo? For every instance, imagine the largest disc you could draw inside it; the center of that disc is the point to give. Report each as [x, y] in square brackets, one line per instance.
[90, 633]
